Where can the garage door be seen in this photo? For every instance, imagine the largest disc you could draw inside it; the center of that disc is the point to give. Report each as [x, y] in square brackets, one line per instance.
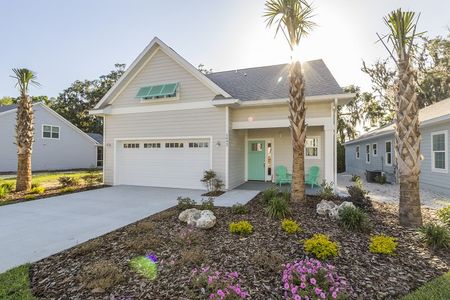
[164, 163]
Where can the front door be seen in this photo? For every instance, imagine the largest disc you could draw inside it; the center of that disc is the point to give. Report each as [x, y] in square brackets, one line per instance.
[256, 160]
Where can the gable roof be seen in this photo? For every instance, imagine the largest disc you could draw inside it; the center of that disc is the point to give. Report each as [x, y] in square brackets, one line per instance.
[11, 108]
[96, 136]
[271, 82]
[429, 115]
[142, 59]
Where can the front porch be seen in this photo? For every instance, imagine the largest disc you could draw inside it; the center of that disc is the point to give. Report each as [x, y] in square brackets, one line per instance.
[261, 186]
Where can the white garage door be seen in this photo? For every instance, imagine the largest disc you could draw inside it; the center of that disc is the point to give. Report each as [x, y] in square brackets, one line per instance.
[164, 163]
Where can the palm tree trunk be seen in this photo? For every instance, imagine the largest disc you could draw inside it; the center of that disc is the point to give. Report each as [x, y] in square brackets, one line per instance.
[24, 140]
[297, 113]
[408, 146]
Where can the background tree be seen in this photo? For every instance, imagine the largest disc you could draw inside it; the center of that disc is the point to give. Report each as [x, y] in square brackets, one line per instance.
[11, 100]
[402, 26]
[293, 19]
[202, 68]
[24, 128]
[75, 102]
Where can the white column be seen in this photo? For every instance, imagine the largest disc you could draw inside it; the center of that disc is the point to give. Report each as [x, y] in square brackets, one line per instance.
[329, 154]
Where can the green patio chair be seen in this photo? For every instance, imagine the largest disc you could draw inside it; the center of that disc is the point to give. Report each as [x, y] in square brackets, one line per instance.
[312, 176]
[282, 176]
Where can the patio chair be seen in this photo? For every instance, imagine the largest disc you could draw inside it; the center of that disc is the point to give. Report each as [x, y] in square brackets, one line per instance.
[312, 176]
[282, 176]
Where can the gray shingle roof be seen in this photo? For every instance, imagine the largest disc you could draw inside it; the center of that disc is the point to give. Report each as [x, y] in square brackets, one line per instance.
[4, 108]
[271, 82]
[97, 137]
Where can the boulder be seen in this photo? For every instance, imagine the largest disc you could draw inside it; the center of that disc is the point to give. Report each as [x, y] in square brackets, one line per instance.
[324, 207]
[346, 204]
[203, 219]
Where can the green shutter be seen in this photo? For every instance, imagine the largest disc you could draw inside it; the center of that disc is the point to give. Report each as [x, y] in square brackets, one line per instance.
[157, 91]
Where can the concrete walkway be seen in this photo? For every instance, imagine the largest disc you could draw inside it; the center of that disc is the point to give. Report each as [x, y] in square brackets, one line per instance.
[33, 230]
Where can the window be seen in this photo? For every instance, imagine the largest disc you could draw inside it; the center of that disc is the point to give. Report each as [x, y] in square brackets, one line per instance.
[174, 145]
[152, 145]
[158, 91]
[367, 154]
[99, 156]
[198, 145]
[257, 147]
[439, 151]
[50, 132]
[312, 147]
[131, 145]
[388, 158]
[357, 152]
[375, 149]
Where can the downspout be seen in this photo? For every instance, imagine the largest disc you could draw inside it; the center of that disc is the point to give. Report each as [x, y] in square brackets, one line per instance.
[227, 146]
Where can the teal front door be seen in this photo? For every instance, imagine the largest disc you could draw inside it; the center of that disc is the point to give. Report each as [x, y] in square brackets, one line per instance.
[256, 160]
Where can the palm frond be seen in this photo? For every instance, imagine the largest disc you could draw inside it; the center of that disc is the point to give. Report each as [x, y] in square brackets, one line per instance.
[291, 17]
[24, 78]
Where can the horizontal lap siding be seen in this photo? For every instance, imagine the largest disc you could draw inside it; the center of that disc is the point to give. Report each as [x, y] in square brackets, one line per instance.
[434, 180]
[162, 69]
[195, 122]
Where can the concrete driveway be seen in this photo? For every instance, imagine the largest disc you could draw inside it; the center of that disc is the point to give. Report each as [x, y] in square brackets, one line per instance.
[33, 230]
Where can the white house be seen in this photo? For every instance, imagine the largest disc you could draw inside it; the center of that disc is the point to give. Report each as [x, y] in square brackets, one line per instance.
[165, 122]
[58, 144]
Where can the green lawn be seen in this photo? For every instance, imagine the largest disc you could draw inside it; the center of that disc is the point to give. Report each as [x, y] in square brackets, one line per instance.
[15, 284]
[437, 289]
[49, 179]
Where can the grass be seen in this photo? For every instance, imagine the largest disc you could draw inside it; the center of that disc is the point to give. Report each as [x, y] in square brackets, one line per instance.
[436, 289]
[50, 179]
[15, 284]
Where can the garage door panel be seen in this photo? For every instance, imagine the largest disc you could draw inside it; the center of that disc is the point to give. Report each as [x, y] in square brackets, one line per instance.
[165, 167]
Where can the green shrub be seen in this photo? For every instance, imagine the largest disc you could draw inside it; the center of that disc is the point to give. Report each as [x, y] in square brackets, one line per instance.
[358, 196]
[39, 190]
[8, 186]
[290, 226]
[286, 196]
[212, 182]
[29, 197]
[69, 189]
[91, 178]
[185, 203]
[239, 209]
[65, 181]
[435, 236]
[35, 185]
[444, 215]
[321, 247]
[144, 267]
[382, 244]
[241, 227]
[207, 204]
[327, 191]
[380, 179]
[355, 178]
[278, 207]
[3, 192]
[269, 194]
[354, 219]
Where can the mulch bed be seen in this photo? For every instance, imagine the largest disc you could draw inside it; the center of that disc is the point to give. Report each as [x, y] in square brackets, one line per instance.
[213, 194]
[256, 258]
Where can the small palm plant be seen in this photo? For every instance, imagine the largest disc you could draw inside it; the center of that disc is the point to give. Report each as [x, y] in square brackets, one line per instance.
[402, 27]
[24, 128]
[293, 19]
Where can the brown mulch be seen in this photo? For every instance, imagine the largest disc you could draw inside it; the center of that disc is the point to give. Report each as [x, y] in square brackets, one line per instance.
[213, 194]
[256, 258]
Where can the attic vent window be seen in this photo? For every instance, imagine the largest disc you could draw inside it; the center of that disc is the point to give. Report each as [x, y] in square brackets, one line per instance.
[160, 91]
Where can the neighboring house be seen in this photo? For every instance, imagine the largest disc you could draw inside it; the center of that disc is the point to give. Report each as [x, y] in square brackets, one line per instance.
[58, 144]
[375, 149]
[165, 122]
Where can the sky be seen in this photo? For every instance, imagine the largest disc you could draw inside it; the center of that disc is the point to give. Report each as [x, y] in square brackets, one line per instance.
[64, 41]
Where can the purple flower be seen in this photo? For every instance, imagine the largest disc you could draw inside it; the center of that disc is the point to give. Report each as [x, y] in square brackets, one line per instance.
[152, 257]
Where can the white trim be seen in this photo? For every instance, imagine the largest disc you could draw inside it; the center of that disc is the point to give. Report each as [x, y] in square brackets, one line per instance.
[435, 120]
[358, 152]
[279, 123]
[385, 153]
[367, 154]
[51, 132]
[319, 156]
[172, 54]
[266, 167]
[433, 168]
[319, 98]
[246, 157]
[211, 147]
[227, 145]
[373, 153]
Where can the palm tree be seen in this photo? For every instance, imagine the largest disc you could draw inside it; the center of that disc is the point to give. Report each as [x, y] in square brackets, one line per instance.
[24, 128]
[402, 26]
[293, 19]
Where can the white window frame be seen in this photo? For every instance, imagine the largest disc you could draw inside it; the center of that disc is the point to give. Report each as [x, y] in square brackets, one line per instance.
[358, 152]
[375, 149]
[318, 148]
[433, 169]
[386, 156]
[367, 153]
[51, 132]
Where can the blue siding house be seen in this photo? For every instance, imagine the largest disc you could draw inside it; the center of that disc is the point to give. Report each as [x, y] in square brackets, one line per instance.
[374, 151]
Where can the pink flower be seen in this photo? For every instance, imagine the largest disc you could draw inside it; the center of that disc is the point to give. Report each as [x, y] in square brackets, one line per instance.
[334, 295]
[302, 285]
[322, 295]
[313, 281]
[297, 297]
[212, 296]
[220, 293]
[317, 291]
[286, 286]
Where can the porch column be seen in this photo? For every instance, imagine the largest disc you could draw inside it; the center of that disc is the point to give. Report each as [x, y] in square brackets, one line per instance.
[329, 147]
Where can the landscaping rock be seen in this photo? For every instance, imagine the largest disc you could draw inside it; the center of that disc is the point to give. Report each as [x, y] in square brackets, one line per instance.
[189, 214]
[207, 220]
[324, 207]
[334, 213]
